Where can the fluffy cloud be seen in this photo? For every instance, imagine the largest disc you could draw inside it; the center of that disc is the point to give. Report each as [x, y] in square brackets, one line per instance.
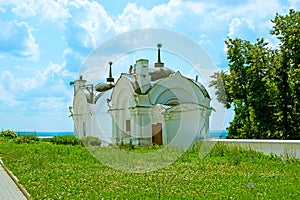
[26, 8]
[87, 23]
[52, 81]
[209, 22]
[54, 10]
[88, 26]
[2, 9]
[241, 28]
[6, 98]
[134, 17]
[17, 40]
[46, 90]
[163, 15]
[73, 60]
[168, 13]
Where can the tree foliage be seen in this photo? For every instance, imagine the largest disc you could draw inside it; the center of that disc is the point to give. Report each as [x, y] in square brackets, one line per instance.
[262, 84]
[287, 31]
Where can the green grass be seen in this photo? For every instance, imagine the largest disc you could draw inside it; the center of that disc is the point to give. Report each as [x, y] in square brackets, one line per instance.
[50, 171]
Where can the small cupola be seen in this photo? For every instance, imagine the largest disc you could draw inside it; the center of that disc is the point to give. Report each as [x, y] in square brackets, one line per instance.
[79, 83]
[158, 63]
[101, 87]
[110, 79]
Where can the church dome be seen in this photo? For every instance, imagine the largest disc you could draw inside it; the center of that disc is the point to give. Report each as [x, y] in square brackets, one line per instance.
[160, 72]
[101, 87]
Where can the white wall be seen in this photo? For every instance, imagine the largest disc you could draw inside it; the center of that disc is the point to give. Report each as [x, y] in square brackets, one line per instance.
[185, 124]
[102, 119]
[279, 147]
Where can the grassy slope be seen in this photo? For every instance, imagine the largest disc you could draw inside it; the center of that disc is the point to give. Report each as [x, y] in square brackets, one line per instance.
[50, 171]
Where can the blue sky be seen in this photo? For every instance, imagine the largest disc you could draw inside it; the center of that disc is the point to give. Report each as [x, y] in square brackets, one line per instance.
[43, 44]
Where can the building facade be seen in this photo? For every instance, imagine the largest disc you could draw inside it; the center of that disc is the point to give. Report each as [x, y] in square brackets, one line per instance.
[144, 106]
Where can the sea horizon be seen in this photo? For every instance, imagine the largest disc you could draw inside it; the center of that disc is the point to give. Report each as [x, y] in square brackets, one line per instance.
[213, 133]
[45, 133]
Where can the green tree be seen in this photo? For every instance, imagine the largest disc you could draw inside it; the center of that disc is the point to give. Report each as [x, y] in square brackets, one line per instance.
[287, 30]
[262, 89]
[263, 84]
[238, 94]
[248, 88]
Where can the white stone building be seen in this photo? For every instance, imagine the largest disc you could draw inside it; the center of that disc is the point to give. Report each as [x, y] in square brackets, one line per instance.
[145, 106]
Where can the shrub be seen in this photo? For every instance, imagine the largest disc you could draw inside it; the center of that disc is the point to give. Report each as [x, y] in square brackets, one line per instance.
[66, 140]
[91, 141]
[27, 139]
[8, 134]
[128, 146]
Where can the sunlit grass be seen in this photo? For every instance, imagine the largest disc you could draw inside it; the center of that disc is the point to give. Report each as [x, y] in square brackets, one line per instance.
[49, 171]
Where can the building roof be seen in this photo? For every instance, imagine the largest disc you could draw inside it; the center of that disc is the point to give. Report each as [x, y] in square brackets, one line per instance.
[157, 74]
[101, 87]
[202, 88]
[160, 72]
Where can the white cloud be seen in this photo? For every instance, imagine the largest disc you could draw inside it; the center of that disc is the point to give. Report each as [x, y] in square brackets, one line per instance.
[46, 90]
[50, 104]
[168, 13]
[41, 77]
[240, 27]
[72, 60]
[2, 9]
[54, 11]
[134, 17]
[204, 40]
[7, 97]
[24, 8]
[16, 40]
[88, 26]
[49, 82]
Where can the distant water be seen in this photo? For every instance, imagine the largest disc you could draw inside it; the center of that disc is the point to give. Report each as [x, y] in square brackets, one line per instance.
[46, 134]
[213, 133]
[218, 134]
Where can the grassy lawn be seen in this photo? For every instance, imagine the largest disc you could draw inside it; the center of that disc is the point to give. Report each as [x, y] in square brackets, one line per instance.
[50, 171]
